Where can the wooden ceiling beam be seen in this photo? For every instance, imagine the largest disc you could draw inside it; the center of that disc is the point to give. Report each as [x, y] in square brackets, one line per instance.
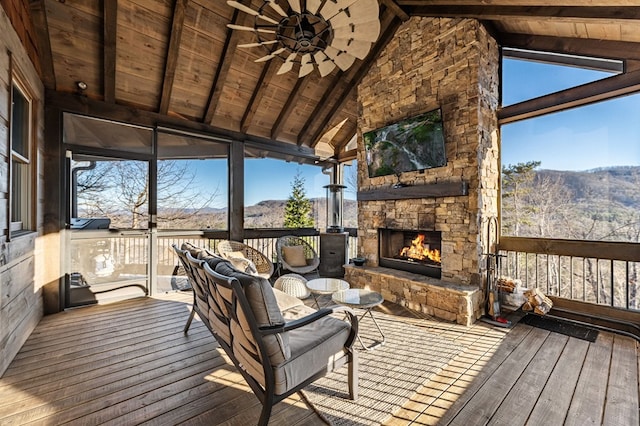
[608, 88]
[390, 24]
[109, 29]
[609, 13]
[173, 51]
[573, 46]
[224, 65]
[393, 6]
[268, 71]
[299, 87]
[38, 13]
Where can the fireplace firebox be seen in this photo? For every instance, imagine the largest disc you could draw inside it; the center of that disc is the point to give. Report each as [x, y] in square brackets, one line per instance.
[410, 250]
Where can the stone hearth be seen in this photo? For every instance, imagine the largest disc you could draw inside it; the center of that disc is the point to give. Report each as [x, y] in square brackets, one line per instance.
[432, 63]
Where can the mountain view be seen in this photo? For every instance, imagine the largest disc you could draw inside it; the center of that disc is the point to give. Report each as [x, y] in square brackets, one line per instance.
[599, 204]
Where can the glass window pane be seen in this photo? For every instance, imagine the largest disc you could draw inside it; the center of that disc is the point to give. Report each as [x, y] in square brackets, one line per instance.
[269, 183]
[574, 174]
[192, 183]
[112, 189]
[98, 133]
[20, 121]
[523, 80]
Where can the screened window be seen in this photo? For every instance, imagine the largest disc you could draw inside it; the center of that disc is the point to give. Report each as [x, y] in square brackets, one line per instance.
[270, 183]
[21, 163]
[193, 176]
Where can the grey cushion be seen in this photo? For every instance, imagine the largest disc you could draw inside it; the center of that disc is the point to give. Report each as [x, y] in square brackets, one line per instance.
[311, 347]
[266, 312]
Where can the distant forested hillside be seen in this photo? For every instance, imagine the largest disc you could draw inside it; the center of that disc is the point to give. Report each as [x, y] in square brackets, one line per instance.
[599, 204]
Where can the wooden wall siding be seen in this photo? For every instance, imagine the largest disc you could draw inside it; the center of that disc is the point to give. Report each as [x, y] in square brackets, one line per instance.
[19, 17]
[22, 269]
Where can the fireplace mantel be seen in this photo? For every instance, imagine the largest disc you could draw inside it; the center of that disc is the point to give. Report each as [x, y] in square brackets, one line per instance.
[444, 189]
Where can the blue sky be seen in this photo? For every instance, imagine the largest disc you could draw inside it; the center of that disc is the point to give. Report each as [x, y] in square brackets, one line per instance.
[599, 135]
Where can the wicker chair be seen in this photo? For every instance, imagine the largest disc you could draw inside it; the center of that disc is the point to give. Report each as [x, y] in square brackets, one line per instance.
[238, 253]
[296, 255]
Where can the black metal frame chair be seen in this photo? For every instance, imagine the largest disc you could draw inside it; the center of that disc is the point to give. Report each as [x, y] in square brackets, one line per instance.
[225, 297]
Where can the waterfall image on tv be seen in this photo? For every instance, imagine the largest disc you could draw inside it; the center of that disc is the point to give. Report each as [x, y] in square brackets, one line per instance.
[413, 144]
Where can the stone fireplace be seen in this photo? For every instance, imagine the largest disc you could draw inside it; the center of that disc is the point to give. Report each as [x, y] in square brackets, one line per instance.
[432, 63]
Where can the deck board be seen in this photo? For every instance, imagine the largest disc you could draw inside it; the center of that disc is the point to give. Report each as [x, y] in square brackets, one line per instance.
[520, 400]
[617, 410]
[554, 400]
[129, 362]
[587, 404]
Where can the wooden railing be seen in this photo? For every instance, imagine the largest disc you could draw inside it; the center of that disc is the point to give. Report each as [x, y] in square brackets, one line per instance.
[604, 273]
[263, 240]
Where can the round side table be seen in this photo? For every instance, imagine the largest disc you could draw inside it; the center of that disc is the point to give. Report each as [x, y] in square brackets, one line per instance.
[320, 286]
[363, 299]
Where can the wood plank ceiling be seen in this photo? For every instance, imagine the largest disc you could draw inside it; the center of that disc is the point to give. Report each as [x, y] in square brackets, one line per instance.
[177, 58]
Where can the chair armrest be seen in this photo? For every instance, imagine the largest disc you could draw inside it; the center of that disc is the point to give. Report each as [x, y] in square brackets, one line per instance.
[301, 322]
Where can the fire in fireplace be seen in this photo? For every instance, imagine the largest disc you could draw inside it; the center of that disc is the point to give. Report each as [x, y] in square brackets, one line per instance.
[410, 250]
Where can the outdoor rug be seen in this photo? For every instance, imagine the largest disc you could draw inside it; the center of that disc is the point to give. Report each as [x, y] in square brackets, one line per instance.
[389, 375]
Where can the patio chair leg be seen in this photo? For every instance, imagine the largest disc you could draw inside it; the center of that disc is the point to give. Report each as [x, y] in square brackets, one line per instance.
[352, 375]
[265, 414]
[188, 324]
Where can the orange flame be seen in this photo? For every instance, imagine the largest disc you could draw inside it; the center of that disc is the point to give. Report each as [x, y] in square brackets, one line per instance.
[420, 251]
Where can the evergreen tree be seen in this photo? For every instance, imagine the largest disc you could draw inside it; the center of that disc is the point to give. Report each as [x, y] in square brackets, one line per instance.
[297, 211]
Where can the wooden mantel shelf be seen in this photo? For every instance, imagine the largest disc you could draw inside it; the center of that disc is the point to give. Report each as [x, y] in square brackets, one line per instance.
[445, 189]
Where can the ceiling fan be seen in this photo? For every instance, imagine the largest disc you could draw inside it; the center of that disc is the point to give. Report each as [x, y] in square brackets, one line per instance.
[318, 34]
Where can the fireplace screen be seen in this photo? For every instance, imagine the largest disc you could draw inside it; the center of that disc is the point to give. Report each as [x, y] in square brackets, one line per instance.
[410, 250]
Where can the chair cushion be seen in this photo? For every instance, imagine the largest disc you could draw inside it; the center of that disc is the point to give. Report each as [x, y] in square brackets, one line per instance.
[311, 347]
[294, 255]
[266, 312]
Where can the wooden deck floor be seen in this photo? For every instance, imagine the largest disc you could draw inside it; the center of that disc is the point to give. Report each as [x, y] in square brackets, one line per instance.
[129, 363]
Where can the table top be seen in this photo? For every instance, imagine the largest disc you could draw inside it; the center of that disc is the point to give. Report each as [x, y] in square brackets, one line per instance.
[358, 298]
[326, 285]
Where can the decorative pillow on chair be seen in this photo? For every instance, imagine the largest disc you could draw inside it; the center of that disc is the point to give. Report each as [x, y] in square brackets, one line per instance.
[294, 255]
[238, 254]
[243, 265]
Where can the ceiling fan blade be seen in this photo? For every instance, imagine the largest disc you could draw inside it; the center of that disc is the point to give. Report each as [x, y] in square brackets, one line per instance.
[288, 64]
[365, 31]
[241, 7]
[359, 12]
[243, 28]
[262, 43]
[325, 65]
[271, 55]
[275, 6]
[313, 6]
[332, 8]
[342, 59]
[306, 65]
[295, 5]
[359, 49]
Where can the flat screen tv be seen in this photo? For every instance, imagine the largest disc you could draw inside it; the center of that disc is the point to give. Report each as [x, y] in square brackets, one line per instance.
[415, 143]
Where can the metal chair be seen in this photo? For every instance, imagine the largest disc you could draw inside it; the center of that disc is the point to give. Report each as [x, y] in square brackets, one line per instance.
[296, 255]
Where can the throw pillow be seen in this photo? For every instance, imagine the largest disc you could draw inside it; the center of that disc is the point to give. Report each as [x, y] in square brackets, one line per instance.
[231, 254]
[294, 255]
[243, 265]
